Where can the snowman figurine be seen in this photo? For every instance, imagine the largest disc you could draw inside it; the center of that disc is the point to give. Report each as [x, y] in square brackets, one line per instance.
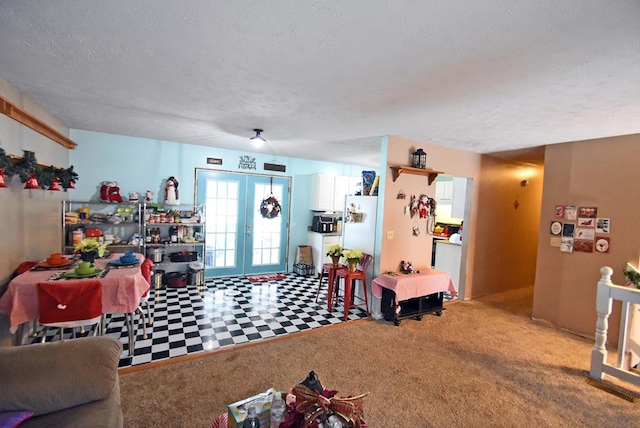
[171, 192]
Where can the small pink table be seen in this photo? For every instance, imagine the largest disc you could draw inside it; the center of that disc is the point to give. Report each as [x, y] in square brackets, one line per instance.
[412, 295]
[122, 290]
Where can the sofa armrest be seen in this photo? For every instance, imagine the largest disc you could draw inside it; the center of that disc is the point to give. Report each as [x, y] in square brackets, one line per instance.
[49, 377]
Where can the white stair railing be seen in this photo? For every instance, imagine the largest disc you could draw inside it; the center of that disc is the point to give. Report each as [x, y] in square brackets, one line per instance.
[607, 292]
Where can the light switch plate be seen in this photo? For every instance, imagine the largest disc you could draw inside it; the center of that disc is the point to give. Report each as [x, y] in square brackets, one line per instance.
[390, 234]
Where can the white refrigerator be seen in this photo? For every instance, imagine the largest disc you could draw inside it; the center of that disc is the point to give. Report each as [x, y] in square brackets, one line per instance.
[359, 231]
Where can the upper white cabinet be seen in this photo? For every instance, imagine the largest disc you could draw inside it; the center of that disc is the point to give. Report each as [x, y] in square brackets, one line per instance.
[444, 192]
[328, 192]
[322, 194]
[458, 198]
[452, 192]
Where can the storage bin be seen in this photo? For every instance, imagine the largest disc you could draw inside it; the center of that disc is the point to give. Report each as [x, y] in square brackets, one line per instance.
[303, 269]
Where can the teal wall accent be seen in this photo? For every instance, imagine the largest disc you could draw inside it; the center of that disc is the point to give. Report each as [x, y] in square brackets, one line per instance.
[140, 164]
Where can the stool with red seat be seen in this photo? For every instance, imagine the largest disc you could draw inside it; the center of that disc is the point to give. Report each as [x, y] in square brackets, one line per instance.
[349, 289]
[70, 304]
[330, 270]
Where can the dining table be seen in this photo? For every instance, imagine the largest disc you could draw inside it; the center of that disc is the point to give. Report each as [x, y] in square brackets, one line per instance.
[123, 286]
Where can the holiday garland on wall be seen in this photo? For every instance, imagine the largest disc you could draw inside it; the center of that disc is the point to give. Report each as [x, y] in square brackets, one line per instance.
[36, 175]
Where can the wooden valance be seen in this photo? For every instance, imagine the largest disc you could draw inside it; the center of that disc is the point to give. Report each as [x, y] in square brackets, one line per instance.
[16, 113]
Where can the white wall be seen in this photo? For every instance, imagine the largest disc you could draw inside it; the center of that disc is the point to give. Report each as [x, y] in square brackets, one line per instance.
[30, 218]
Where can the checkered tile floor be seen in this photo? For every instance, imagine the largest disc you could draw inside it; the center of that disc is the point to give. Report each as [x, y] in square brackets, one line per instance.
[223, 313]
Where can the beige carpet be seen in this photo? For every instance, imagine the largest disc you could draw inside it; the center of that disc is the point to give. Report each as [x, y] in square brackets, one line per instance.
[483, 363]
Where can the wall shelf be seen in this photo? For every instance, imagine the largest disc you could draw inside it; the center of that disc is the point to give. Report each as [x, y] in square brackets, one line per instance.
[399, 169]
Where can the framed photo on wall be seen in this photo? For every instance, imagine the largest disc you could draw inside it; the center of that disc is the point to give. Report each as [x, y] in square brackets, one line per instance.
[570, 212]
[603, 225]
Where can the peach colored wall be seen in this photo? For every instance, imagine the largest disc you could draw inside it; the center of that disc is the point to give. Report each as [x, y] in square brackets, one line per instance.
[405, 246]
[496, 184]
[506, 237]
[602, 173]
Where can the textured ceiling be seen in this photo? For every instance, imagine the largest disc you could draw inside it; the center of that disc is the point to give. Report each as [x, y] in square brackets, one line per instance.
[478, 75]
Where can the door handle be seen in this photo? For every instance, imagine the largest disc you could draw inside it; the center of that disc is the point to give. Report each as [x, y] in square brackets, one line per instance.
[249, 229]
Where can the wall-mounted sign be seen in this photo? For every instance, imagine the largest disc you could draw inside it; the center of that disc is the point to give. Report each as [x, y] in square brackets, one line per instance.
[275, 167]
[247, 162]
[214, 161]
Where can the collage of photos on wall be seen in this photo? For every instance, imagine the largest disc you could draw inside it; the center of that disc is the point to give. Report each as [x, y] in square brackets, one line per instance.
[579, 229]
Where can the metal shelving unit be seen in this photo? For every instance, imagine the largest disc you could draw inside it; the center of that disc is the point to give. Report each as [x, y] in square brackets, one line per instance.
[189, 220]
[123, 221]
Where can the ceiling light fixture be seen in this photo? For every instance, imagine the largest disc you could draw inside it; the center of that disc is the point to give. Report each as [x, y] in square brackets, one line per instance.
[257, 140]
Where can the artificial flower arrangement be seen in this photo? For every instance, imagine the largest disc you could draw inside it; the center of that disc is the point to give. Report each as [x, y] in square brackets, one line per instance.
[352, 255]
[91, 245]
[335, 250]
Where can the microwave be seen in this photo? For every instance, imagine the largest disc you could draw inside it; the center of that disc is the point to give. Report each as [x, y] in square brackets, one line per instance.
[323, 224]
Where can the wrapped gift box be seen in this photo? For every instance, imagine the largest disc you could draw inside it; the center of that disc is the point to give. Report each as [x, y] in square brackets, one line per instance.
[262, 402]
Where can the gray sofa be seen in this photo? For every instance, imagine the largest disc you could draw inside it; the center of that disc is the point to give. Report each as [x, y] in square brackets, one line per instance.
[70, 383]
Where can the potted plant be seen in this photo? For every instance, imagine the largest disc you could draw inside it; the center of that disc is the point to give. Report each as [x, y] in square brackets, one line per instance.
[335, 252]
[90, 248]
[353, 257]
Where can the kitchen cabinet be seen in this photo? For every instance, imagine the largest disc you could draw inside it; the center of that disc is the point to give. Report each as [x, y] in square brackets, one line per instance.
[452, 192]
[117, 225]
[320, 243]
[174, 236]
[328, 191]
[322, 192]
[444, 192]
[458, 197]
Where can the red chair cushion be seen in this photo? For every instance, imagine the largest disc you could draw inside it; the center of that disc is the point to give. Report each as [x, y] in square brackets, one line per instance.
[69, 301]
[23, 267]
[146, 268]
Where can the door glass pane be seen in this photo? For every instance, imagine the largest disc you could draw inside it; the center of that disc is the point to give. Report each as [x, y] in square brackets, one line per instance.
[266, 231]
[222, 218]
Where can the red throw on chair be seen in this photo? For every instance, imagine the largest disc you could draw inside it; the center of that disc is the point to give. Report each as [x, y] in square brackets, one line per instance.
[147, 268]
[68, 304]
[349, 290]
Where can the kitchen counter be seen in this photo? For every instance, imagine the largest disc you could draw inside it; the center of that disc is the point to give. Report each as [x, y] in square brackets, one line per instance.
[449, 243]
[327, 234]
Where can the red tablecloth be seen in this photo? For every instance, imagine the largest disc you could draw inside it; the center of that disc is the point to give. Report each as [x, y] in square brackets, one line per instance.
[121, 292]
[408, 286]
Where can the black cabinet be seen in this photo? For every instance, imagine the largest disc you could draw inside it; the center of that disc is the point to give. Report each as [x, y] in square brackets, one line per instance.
[410, 308]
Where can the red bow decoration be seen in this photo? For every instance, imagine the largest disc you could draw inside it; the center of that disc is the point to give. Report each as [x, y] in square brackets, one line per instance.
[313, 405]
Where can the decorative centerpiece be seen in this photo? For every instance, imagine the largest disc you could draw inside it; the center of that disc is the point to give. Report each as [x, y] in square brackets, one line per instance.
[89, 249]
[353, 257]
[310, 404]
[335, 252]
